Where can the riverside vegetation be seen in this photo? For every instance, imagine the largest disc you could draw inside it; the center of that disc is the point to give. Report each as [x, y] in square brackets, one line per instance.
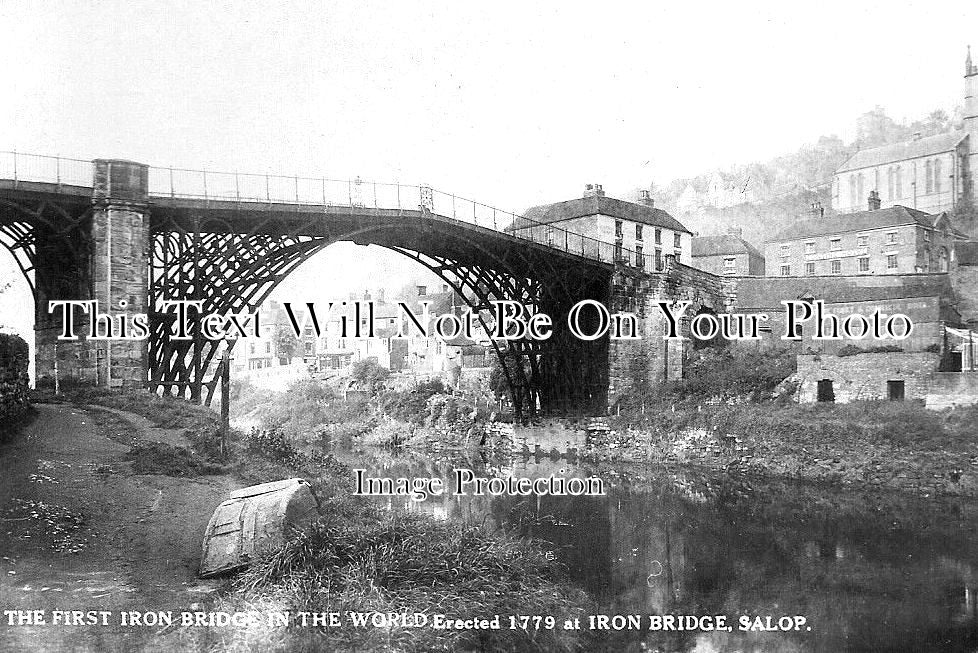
[358, 557]
[734, 411]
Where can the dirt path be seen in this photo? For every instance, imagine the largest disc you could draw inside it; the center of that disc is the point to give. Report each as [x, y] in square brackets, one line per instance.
[81, 531]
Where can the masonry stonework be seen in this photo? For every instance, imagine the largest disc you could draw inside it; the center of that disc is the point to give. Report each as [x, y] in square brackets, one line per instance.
[639, 363]
[120, 229]
[110, 264]
[865, 376]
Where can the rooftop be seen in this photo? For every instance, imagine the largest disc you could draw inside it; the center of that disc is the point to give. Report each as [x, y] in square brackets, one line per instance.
[902, 151]
[725, 244]
[598, 205]
[768, 292]
[892, 216]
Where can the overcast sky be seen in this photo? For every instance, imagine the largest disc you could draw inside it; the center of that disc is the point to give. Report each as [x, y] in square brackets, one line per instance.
[509, 104]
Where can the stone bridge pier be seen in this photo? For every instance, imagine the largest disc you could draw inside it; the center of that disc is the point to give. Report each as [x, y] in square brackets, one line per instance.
[104, 257]
[636, 365]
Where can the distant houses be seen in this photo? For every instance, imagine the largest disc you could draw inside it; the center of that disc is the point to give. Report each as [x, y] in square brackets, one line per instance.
[893, 240]
[727, 255]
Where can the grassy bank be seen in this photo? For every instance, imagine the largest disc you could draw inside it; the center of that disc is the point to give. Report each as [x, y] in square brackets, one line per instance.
[357, 557]
[362, 560]
[897, 445]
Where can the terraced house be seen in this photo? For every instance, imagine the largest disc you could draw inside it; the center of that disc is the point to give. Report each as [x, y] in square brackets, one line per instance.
[893, 240]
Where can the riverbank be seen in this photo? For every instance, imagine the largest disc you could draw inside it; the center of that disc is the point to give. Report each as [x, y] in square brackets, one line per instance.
[358, 558]
[874, 444]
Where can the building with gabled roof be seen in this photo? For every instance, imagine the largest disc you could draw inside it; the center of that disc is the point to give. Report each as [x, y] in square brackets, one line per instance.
[634, 229]
[892, 240]
[932, 173]
[727, 254]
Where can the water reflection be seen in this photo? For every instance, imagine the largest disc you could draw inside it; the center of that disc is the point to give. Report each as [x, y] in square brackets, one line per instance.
[869, 572]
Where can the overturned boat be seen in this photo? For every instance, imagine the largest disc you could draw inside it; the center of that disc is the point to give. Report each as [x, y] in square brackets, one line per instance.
[253, 520]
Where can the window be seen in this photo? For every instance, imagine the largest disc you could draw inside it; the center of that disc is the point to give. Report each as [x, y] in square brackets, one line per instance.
[251, 348]
[810, 248]
[785, 270]
[937, 175]
[929, 178]
[729, 265]
[658, 259]
[639, 258]
[836, 267]
[618, 250]
[268, 347]
[677, 241]
[862, 241]
[835, 244]
[422, 291]
[658, 236]
[308, 347]
[785, 251]
[825, 390]
[891, 237]
[617, 228]
[810, 268]
[638, 232]
[891, 261]
[864, 264]
[895, 390]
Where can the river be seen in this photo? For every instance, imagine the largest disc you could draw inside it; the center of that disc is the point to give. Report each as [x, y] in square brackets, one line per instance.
[848, 570]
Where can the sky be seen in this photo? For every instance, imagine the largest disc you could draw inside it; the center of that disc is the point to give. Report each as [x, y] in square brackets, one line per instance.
[509, 103]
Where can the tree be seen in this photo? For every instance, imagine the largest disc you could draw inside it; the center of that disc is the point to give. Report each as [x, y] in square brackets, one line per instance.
[286, 343]
[369, 374]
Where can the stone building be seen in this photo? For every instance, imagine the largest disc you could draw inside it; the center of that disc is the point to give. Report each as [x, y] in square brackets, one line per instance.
[927, 299]
[639, 233]
[932, 174]
[964, 279]
[893, 240]
[727, 255]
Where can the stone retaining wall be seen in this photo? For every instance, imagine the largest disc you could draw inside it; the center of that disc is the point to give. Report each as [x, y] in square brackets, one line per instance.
[14, 380]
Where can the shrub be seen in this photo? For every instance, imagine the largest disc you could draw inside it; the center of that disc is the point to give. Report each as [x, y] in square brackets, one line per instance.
[275, 446]
[729, 372]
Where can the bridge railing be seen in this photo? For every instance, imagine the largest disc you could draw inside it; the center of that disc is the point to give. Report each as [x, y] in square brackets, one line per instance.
[359, 193]
[17, 167]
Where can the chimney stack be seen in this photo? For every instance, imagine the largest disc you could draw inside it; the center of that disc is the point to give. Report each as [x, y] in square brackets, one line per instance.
[817, 210]
[593, 190]
[874, 200]
[645, 197]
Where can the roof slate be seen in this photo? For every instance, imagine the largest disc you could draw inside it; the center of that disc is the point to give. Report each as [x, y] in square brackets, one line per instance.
[895, 152]
[599, 204]
[754, 293]
[724, 244]
[892, 216]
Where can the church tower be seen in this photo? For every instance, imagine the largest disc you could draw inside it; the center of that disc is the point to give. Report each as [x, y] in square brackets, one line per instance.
[971, 128]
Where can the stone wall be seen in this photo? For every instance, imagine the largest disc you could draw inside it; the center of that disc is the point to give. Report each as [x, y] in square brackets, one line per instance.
[865, 376]
[950, 389]
[14, 388]
[651, 360]
[964, 279]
